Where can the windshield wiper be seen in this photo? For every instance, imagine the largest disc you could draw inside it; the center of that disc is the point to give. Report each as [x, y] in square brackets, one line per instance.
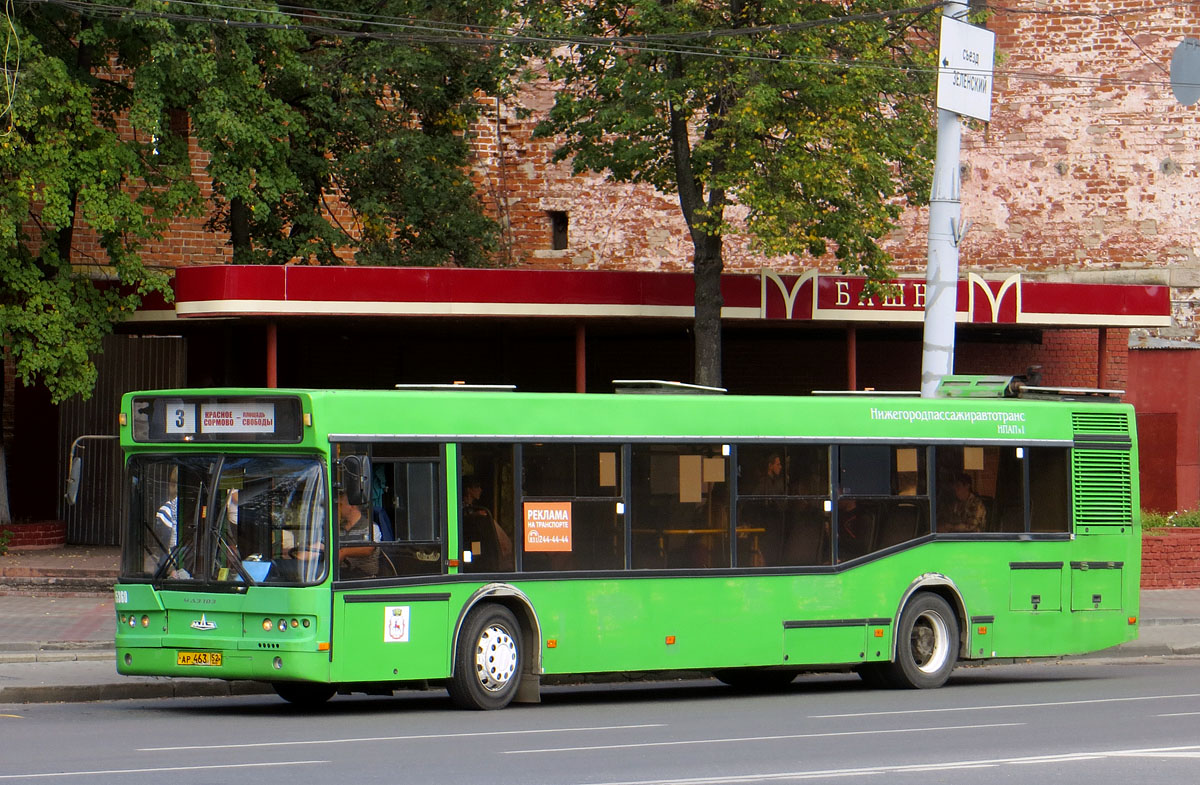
[234, 558]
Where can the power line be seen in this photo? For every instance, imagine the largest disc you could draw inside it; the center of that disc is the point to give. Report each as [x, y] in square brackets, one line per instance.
[409, 30]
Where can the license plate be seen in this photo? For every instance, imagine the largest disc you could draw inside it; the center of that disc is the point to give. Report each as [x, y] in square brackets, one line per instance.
[198, 658]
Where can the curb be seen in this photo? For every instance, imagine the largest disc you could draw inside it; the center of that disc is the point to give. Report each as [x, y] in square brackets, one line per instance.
[59, 655]
[26, 647]
[132, 690]
[1164, 650]
[51, 574]
[57, 585]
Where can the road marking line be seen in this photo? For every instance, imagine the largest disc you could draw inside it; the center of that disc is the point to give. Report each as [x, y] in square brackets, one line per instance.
[759, 738]
[156, 769]
[1180, 714]
[1002, 706]
[1162, 752]
[421, 737]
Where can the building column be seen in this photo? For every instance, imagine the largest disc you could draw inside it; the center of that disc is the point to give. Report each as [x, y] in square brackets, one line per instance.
[851, 358]
[580, 358]
[272, 355]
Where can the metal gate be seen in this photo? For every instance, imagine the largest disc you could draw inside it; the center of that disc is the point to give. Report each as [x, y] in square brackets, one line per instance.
[126, 363]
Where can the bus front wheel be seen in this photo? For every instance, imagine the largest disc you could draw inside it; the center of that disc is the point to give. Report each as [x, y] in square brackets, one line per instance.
[926, 644]
[303, 694]
[487, 662]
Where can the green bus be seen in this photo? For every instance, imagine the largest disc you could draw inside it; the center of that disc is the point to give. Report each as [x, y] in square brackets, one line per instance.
[365, 541]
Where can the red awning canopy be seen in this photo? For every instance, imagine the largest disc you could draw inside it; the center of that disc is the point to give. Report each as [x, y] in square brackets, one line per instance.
[279, 291]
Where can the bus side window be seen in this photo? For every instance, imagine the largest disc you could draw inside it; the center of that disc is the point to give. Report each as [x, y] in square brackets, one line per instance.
[1049, 489]
[570, 503]
[980, 489]
[406, 508]
[783, 493]
[680, 506]
[486, 507]
[883, 497]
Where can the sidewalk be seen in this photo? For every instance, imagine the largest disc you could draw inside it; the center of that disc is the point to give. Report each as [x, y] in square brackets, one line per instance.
[56, 633]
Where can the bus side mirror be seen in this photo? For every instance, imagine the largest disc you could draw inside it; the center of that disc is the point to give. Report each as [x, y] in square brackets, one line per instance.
[356, 479]
[76, 471]
[73, 479]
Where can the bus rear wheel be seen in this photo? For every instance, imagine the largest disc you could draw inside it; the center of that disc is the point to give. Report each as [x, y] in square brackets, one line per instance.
[487, 661]
[926, 644]
[303, 694]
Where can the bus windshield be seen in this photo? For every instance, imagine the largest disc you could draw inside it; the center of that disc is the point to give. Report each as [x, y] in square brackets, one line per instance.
[225, 519]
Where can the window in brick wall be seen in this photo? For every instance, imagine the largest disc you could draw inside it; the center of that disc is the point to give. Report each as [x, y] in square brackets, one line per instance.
[558, 229]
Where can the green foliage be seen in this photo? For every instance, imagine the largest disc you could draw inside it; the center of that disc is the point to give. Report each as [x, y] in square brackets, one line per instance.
[299, 116]
[820, 122]
[815, 116]
[1152, 519]
[65, 167]
[293, 114]
[5, 536]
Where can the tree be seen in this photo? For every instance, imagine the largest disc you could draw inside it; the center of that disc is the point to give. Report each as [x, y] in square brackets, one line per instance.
[302, 110]
[297, 111]
[66, 169]
[813, 116]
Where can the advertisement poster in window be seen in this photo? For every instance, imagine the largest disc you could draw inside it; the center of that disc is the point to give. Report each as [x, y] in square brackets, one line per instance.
[547, 527]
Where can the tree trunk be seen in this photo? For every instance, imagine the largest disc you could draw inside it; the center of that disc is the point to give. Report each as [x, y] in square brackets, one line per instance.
[5, 508]
[239, 230]
[708, 265]
[703, 224]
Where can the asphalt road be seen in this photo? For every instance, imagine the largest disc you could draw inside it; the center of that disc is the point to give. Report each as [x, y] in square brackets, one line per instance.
[1079, 722]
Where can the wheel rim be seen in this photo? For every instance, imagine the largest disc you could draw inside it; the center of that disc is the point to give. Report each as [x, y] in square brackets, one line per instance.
[930, 642]
[495, 658]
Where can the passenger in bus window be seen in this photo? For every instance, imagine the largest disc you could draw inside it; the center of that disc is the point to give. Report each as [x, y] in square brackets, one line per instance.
[967, 512]
[357, 561]
[773, 481]
[480, 527]
[166, 530]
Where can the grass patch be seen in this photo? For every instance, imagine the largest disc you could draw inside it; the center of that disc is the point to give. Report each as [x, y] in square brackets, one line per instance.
[1182, 519]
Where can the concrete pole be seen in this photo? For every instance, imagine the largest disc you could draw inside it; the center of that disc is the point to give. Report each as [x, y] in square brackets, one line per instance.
[941, 276]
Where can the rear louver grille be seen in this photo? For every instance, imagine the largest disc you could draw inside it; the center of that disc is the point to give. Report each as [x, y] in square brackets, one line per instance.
[1099, 422]
[1103, 487]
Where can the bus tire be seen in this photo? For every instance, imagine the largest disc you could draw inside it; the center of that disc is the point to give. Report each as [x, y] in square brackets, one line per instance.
[487, 662]
[926, 644]
[304, 694]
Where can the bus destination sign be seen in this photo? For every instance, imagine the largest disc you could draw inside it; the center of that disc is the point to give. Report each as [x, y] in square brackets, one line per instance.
[221, 418]
[209, 419]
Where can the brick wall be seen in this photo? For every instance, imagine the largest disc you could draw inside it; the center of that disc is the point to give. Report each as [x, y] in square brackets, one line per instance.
[1068, 357]
[1086, 169]
[1085, 172]
[35, 536]
[1089, 163]
[1171, 559]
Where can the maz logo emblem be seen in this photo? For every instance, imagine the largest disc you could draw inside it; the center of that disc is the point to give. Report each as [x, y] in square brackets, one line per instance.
[203, 624]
